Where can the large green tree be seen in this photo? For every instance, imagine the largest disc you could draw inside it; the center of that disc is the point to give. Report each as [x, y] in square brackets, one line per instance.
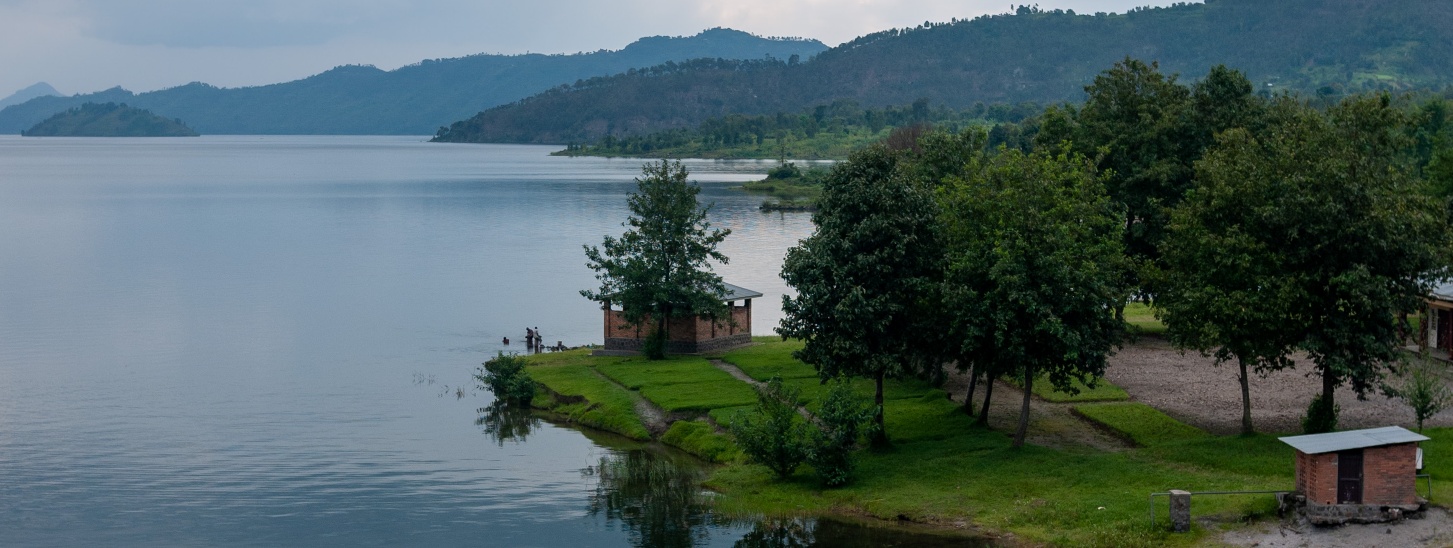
[1036, 248]
[660, 267]
[1311, 233]
[867, 277]
[1147, 130]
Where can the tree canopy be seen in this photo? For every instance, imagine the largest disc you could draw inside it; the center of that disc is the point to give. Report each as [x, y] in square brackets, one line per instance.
[866, 278]
[660, 267]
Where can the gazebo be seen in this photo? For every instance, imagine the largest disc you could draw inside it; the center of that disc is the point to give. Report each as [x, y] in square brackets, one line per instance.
[692, 335]
[1359, 475]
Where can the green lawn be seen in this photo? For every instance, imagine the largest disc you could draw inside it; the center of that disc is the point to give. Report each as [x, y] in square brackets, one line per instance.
[1103, 391]
[771, 357]
[605, 405]
[1143, 424]
[943, 469]
[1143, 318]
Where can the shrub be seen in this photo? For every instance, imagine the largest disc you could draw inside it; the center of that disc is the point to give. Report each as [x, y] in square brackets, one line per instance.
[772, 434]
[840, 420]
[506, 377]
[1425, 391]
[654, 347]
[1321, 416]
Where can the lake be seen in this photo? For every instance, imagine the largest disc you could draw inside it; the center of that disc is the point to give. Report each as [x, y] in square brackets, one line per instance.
[242, 340]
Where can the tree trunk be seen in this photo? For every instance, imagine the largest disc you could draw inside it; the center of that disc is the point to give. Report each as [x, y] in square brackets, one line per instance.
[1246, 427]
[983, 419]
[1024, 408]
[1329, 388]
[969, 397]
[880, 438]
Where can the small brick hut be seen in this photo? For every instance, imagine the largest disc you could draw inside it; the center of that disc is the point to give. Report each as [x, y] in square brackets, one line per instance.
[694, 335]
[1375, 467]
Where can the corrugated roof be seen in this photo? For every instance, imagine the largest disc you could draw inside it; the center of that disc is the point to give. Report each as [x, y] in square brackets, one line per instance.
[1312, 444]
[737, 293]
[732, 293]
[1443, 291]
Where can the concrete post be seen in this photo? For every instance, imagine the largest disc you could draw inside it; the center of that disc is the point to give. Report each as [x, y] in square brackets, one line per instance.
[1180, 511]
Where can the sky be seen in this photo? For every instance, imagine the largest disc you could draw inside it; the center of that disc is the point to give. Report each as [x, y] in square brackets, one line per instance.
[81, 46]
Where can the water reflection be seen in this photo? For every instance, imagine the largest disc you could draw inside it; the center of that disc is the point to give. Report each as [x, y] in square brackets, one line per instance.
[504, 422]
[656, 498]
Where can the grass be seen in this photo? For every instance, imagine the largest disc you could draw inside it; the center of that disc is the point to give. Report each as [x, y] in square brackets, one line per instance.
[771, 357]
[587, 398]
[1143, 424]
[1103, 391]
[942, 469]
[1142, 317]
[700, 439]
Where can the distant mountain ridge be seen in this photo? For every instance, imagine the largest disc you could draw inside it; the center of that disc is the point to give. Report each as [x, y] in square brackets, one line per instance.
[1313, 46]
[411, 100]
[38, 89]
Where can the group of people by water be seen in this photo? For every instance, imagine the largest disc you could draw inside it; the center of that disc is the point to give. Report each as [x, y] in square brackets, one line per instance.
[535, 342]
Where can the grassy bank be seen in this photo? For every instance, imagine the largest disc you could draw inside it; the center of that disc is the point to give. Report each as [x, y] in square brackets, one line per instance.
[943, 470]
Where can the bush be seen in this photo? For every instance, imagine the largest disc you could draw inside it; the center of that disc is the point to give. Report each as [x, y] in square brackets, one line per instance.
[654, 347]
[840, 420]
[772, 434]
[784, 171]
[506, 377]
[1321, 416]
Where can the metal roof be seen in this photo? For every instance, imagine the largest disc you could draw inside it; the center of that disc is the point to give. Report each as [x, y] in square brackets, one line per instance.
[737, 293]
[1443, 291]
[1312, 444]
[730, 293]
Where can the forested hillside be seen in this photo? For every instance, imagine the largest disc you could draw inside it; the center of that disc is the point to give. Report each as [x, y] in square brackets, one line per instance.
[1331, 47]
[108, 120]
[416, 99]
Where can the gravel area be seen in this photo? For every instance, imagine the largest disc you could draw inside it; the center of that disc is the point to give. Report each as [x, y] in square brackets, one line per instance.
[1434, 528]
[1194, 390]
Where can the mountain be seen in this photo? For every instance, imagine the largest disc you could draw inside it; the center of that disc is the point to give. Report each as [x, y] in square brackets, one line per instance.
[108, 120]
[411, 100]
[39, 89]
[1317, 46]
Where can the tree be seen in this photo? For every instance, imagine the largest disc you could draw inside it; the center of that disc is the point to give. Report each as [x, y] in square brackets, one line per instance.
[1369, 244]
[1137, 124]
[1037, 241]
[1425, 391]
[659, 269]
[1227, 290]
[1313, 234]
[866, 278]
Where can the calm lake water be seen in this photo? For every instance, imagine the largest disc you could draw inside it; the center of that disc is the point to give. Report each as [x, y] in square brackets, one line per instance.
[269, 341]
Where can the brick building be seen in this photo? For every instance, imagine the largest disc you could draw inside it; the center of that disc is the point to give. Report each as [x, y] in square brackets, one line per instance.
[694, 335]
[1440, 318]
[1358, 473]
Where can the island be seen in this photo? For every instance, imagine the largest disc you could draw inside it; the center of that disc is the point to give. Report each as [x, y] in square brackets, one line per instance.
[109, 120]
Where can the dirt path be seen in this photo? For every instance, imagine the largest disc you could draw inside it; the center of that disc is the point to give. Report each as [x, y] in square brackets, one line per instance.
[1050, 424]
[1194, 390]
[654, 418]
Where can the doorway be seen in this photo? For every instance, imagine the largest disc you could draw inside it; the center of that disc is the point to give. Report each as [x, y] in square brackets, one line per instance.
[1349, 477]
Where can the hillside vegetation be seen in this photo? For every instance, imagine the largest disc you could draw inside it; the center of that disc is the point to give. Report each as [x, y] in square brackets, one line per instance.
[108, 120]
[1329, 47]
[412, 100]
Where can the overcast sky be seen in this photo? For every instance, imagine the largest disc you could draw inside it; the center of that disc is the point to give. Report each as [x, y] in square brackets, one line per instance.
[87, 45]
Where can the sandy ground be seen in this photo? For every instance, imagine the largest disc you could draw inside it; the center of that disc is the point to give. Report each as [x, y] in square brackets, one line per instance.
[1194, 390]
